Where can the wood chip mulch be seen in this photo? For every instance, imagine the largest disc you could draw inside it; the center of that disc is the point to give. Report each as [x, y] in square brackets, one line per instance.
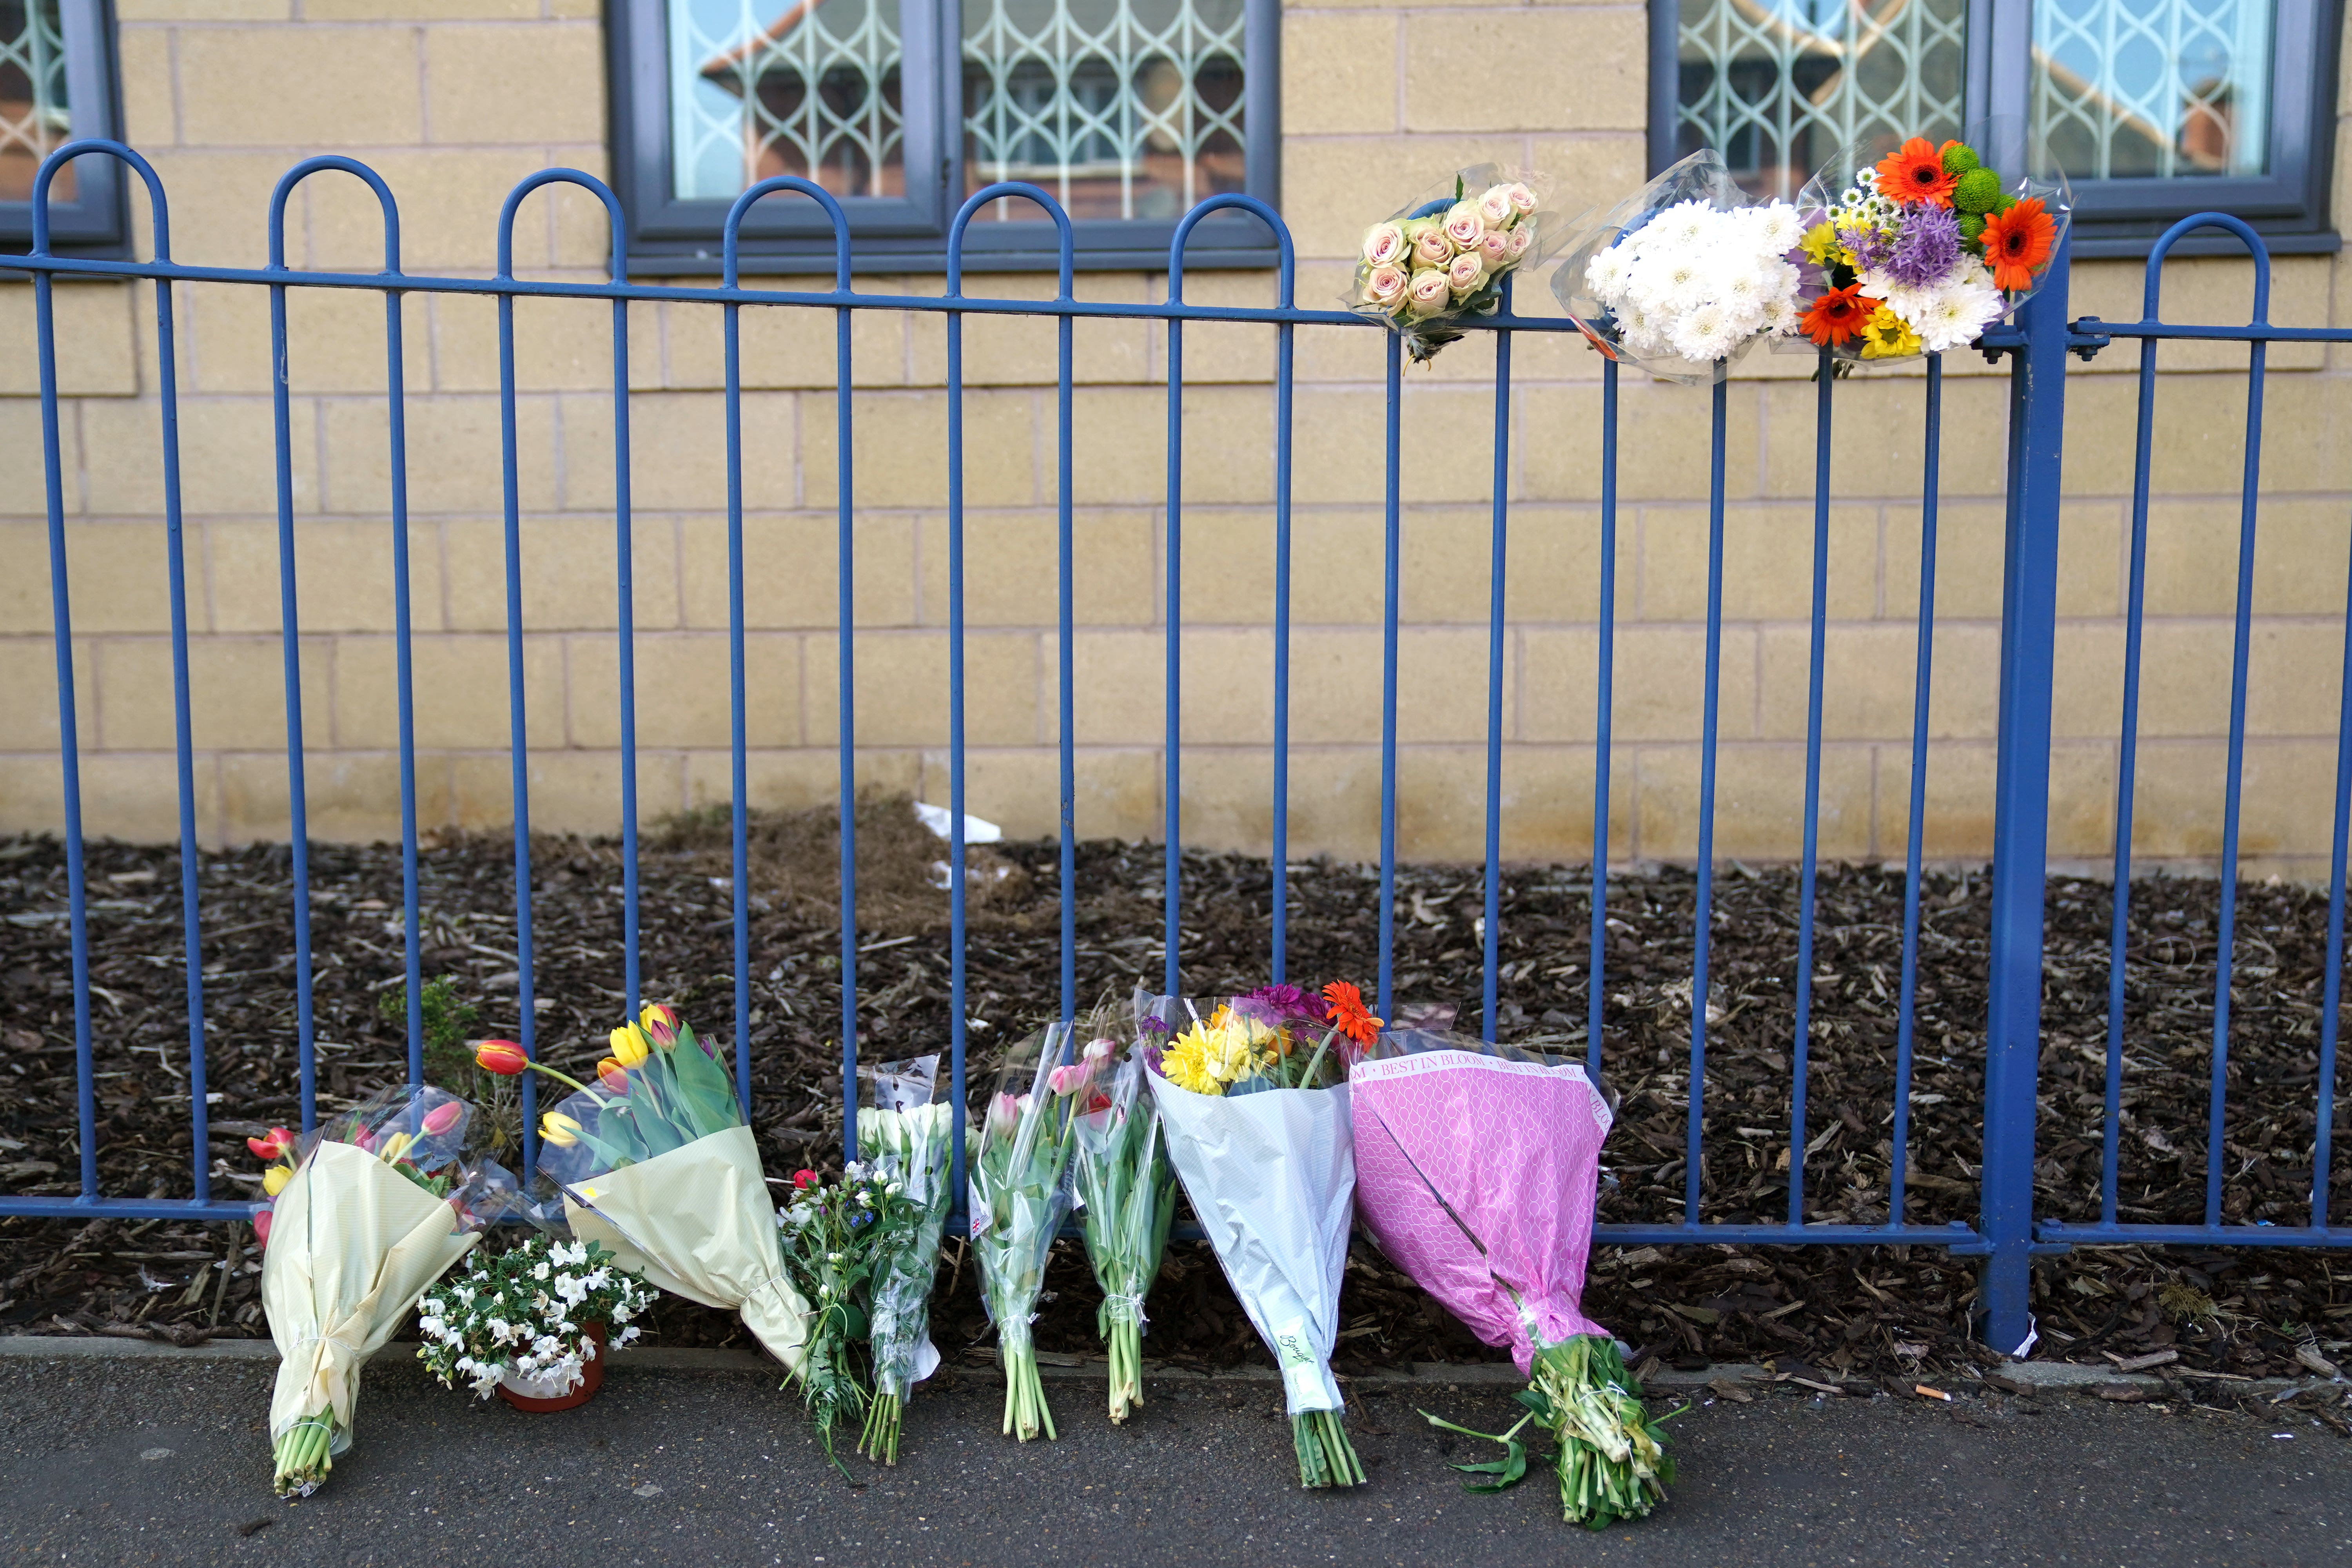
[1839, 1316]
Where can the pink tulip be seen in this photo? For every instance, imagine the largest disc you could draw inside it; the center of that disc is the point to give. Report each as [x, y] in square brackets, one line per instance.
[1101, 1050]
[1068, 1079]
[1004, 1116]
[261, 1229]
[443, 1117]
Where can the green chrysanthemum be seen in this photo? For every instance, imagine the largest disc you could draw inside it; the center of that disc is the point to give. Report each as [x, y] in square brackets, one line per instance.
[1959, 158]
[1972, 229]
[1977, 191]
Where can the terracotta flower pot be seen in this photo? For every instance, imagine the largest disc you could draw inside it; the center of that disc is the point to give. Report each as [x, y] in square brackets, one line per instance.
[591, 1378]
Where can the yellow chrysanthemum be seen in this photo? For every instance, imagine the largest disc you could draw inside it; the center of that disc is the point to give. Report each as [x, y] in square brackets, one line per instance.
[1207, 1058]
[1820, 245]
[1888, 336]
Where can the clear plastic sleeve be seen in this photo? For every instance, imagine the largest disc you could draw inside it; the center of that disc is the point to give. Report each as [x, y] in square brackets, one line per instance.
[1619, 282]
[1126, 1191]
[1018, 1171]
[905, 1127]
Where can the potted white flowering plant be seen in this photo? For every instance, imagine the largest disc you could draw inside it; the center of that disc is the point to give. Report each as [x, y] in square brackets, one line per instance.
[533, 1324]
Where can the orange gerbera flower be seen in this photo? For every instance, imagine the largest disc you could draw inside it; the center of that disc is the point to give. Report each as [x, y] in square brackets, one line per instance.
[1348, 1014]
[2018, 241]
[1917, 174]
[1839, 314]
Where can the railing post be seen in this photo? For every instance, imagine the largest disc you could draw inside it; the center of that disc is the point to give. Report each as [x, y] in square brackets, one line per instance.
[2037, 404]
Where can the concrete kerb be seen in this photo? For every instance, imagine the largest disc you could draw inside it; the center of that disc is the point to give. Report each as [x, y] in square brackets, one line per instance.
[2017, 1377]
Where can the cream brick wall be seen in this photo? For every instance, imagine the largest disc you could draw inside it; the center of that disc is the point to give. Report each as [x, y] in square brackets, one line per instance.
[453, 101]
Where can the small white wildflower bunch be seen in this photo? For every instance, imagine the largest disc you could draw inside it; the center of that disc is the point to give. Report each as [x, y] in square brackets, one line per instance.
[526, 1312]
[1699, 282]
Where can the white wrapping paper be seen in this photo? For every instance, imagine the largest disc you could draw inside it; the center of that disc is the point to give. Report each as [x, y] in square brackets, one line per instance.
[1272, 1178]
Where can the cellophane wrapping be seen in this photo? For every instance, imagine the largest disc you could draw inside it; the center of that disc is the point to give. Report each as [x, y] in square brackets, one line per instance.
[1126, 1194]
[1018, 1172]
[905, 1128]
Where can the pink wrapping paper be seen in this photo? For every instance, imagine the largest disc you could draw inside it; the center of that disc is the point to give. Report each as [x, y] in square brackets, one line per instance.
[1513, 1149]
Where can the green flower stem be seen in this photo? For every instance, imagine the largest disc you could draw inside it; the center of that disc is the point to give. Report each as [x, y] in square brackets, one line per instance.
[560, 1076]
[1126, 1345]
[1317, 1059]
[880, 1438]
[302, 1453]
[1025, 1410]
[1325, 1457]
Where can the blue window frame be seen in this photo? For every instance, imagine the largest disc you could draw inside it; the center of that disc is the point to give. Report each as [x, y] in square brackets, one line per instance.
[57, 82]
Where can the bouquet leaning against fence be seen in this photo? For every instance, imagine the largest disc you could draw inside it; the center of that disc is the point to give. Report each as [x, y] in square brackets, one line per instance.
[1444, 257]
[372, 1208]
[1685, 275]
[654, 1164]
[907, 1138]
[1478, 1167]
[1020, 1194]
[1255, 1099]
[1126, 1188]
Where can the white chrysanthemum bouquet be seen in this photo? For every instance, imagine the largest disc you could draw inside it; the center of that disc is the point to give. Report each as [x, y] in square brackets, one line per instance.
[1444, 257]
[1685, 275]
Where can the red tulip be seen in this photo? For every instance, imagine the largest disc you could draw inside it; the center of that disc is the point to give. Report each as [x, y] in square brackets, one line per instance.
[804, 1179]
[612, 1075]
[261, 1229]
[443, 1117]
[503, 1057]
[276, 1142]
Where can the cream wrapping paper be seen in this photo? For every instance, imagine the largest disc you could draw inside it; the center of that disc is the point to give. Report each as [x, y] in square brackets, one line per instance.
[699, 1223]
[352, 1245]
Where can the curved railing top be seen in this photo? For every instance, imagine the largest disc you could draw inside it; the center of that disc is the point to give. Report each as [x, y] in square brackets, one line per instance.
[66, 154]
[730, 248]
[1067, 242]
[590, 183]
[2246, 231]
[303, 171]
[1235, 201]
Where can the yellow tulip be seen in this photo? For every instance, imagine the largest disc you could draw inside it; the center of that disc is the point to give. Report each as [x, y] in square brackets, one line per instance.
[629, 1045]
[394, 1147]
[274, 1180]
[558, 1129]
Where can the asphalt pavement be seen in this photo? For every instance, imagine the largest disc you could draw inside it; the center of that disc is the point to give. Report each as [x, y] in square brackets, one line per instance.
[151, 1459]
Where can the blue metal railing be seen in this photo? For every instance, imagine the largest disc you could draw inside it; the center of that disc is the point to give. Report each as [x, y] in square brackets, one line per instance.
[2006, 1234]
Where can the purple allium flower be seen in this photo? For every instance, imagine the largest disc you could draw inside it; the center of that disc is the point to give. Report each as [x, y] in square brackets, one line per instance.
[1869, 246]
[1152, 1023]
[1928, 249]
[1278, 1002]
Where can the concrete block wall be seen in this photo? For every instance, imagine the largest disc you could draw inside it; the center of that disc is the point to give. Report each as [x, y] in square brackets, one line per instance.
[454, 100]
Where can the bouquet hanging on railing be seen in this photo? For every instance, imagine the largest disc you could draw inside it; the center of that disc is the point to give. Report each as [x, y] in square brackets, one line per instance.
[1445, 255]
[1256, 1099]
[369, 1210]
[1020, 1193]
[1476, 1170]
[654, 1164]
[906, 1135]
[1919, 251]
[1126, 1188]
[1685, 275]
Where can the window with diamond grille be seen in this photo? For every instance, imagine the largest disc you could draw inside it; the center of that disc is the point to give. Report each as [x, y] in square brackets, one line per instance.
[1777, 86]
[2163, 88]
[1129, 112]
[2153, 109]
[56, 84]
